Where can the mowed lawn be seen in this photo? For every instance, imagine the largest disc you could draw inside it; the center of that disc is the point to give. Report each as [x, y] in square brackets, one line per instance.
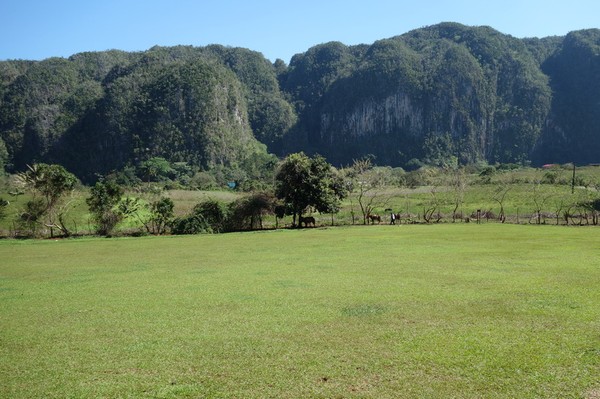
[441, 311]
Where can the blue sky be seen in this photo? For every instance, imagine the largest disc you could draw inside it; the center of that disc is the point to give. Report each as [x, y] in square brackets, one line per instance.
[38, 29]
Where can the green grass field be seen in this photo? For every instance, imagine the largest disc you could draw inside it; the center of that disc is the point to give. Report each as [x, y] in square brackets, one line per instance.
[423, 311]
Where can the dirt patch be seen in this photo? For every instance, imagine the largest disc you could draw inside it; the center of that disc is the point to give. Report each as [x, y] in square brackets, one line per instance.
[592, 394]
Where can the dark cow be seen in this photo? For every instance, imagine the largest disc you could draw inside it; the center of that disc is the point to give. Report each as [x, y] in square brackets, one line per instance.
[373, 218]
[306, 220]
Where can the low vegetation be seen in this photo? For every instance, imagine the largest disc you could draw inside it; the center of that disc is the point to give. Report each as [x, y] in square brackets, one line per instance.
[304, 186]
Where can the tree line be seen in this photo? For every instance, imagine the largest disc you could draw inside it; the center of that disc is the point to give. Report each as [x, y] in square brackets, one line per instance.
[309, 186]
[301, 182]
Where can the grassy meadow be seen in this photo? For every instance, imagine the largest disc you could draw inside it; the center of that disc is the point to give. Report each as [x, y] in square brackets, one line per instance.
[411, 311]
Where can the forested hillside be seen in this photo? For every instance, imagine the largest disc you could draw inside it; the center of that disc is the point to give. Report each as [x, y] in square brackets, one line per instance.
[449, 92]
[98, 112]
[572, 130]
[442, 94]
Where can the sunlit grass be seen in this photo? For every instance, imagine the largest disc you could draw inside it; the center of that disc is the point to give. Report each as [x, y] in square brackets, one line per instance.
[464, 311]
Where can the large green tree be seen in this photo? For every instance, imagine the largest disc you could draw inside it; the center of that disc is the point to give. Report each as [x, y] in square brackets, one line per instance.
[155, 169]
[303, 182]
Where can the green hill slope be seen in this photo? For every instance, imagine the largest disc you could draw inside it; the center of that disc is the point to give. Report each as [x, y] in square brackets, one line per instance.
[441, 94]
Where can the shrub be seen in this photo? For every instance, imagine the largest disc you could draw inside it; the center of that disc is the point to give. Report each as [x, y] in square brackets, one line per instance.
[206, 217]
[550, 177]
[203, 181]
[161, 216]
[31, 217]
[191, 224]
[103, 201]
[246, 213]
[213, 213]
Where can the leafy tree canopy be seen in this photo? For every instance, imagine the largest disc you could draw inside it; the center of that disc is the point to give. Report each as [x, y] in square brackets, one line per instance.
[303, 182]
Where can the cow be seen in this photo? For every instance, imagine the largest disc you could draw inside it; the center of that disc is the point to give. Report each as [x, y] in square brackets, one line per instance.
[306, 220]
[373, 218]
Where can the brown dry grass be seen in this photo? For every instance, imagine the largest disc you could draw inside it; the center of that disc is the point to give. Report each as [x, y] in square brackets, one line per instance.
[593, 394]
[185, 200]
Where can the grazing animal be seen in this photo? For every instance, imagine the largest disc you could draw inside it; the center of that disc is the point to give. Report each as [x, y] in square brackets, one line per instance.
[306, 220]
[373, 218]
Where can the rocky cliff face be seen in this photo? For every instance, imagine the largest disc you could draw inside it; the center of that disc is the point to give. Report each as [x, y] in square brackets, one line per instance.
[446, 91]
[396, 112]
